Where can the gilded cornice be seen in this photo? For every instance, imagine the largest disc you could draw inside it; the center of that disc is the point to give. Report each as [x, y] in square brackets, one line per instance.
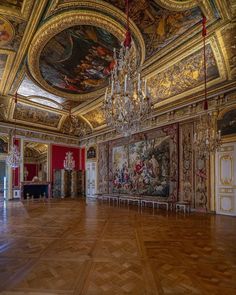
[179, 114]
[29, 32]
[45, 136]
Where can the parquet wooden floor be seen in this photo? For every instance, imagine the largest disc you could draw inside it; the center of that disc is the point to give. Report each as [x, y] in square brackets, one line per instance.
[74, 247]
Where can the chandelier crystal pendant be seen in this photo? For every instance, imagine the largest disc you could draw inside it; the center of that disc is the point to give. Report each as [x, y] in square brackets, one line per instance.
[69, 162]
[127, 101]
[206, 137]
[13, 158]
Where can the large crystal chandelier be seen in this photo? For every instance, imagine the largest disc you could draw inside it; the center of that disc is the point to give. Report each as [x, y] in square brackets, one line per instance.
[206, 138]
[13, 158]
[69, 162]
[127, 101]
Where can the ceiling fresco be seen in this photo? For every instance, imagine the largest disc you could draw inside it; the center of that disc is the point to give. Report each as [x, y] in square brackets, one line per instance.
[3, 61]
[79, 59]
[95, 117]
[74, 59]
[6, 32]
[35, 115]
[158, 25]
[184, 75]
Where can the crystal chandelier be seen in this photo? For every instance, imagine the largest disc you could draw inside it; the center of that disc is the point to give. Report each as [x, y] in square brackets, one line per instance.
[69, 162]
[127, 101]
[206, 138]
[13, 158]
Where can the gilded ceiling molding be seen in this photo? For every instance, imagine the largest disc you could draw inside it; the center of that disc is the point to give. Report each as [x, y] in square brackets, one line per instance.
[58, 24]
[227, 41]
[30, 133]
[22, 13]
[6, 58]
[86, 121]
[18, 80]
[29, 32]
[224, 8]
[188, 4]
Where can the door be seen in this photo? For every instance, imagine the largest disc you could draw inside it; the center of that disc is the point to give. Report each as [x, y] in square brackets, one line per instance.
[226, 179]
[91, 176]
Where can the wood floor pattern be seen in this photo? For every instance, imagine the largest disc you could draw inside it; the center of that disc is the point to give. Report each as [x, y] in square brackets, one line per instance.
[74, 247]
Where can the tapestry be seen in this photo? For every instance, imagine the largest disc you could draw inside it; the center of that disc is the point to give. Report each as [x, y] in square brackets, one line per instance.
[146, 163]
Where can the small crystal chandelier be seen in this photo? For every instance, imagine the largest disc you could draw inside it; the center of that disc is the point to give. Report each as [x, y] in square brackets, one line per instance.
[206, 139]
[69, 162]
[13, 158]
[127, 101]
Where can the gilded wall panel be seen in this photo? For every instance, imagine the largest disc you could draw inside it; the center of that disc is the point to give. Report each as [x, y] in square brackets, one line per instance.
[186, 163]
[103, 167]
[202, 201]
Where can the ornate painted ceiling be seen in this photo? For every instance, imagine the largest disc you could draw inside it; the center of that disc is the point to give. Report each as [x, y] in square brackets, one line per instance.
[57, 55]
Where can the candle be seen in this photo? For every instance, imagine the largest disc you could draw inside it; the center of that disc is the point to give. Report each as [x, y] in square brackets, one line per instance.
[125, 86]
[145, 88]
[139, 83]
[112, 87]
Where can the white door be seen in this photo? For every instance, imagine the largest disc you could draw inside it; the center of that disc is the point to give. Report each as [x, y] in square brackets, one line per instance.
[226, 179]
[91, 177]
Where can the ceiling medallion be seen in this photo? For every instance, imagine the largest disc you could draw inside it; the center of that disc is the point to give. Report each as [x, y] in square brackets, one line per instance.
[127, 100]
[55, 63]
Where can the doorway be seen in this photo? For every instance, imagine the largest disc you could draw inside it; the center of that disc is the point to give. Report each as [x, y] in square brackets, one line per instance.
[91, 179]
[226, 179]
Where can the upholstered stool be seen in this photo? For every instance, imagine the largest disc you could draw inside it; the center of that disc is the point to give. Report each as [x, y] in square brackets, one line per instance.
[182, 205]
